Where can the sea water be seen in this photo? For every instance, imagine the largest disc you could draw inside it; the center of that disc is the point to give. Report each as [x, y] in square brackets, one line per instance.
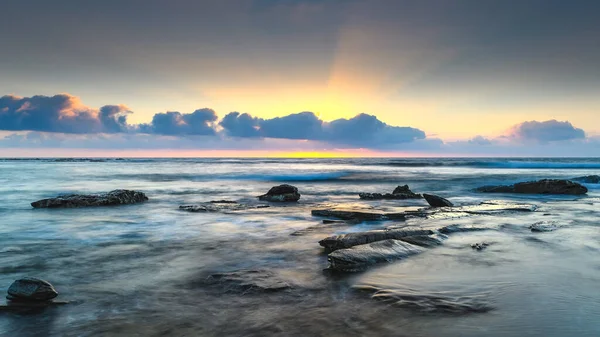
[142, 270]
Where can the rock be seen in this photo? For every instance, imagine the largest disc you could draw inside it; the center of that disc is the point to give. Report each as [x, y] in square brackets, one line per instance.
[249, 281]
[112, 198]
[593, 179]
[435, 201]
[360, 216]
[429, 302]
[31, 289]
[545, 186]
[327, 222]
[462, 228]
[223, 202]
[361, 256]
[219, 207]
[480, 246]
[342, 241]
[400, 192]
[281, 193]
[545, 226]
[427, 241]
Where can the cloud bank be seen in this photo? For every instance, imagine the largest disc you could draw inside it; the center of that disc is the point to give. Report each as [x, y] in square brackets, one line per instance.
[65, 114]
[62, 121]
[361, 130]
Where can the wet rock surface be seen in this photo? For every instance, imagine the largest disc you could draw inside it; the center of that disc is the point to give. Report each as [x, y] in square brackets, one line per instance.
[399, 193]
[31, 289]
[436, 201]
[343, 241]
[462, 228]
[427, 241]
[545, 186]
[281, 193]
[360, 257]
[219, 207]
[356, 215]
[112, 198]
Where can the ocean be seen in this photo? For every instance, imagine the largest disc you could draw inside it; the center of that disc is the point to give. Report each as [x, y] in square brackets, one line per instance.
[151, 269]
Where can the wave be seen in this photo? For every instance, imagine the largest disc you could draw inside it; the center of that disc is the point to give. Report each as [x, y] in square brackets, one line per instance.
[498, 164]
[324, 176]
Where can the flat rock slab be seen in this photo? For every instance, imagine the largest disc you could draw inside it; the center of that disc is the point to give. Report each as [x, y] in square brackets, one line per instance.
[463, 228]
[355, 215]
[545, 186]
[485, 208]
[360, 257]
[112, 198]
[343, 241]
[219, 207]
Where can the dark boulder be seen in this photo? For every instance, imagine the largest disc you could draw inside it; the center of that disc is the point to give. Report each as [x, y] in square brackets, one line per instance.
[112, 198]
[594, 179]
[435, 201]
[281, 193]
[399, 193]
[31, 289]
[545, 186]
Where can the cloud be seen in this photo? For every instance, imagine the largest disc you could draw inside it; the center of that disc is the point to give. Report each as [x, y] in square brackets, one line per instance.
[361, 130]
[479, 140]
[199, 122]
[60, 113]
[548, 131]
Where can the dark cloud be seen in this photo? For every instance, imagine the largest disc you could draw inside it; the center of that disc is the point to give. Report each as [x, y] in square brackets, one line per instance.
[60, 113]
[240, 125]
[548, 131]
[199, 122]
[361, 130]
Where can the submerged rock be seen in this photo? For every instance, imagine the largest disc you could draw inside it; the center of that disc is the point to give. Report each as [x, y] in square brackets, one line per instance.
[342, 241]
[359, 216]
[31, 289]
[361, 256]
[400, 192]
[247, 281]
[545, 226]
[429, 302]
[112, 198]
[219, 207]
[545, 186]
[281, 193]
[480, 246]
[593, 179]
[462, 228]
[436, 201]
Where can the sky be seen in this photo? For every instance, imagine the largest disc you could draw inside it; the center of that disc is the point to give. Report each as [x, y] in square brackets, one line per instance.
[300, 78]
